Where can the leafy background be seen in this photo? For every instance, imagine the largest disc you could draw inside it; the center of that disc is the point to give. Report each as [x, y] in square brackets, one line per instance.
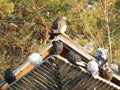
[24, 27]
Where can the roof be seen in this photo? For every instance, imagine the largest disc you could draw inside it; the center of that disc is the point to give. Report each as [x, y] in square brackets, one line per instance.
[68, 75]
[57, 73]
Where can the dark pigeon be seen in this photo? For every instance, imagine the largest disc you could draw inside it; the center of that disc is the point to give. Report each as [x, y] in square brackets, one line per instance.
[9, 76]
[75, 58]
[101, 56]
[57, 48]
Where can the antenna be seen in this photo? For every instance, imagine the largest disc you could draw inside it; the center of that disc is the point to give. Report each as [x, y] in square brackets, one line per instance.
[108, 28]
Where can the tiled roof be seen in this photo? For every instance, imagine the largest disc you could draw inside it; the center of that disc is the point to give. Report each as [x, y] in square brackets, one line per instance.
[56, 73]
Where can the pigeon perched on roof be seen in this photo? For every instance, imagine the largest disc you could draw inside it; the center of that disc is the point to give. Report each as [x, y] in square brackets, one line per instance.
[107, 73]
[59, 27]
[57, 48]
[35, 59]
[102, 52]
[114, 66]
[92, 66]
[9, 76]
[101, 55]
[75, 58]
[98, 52]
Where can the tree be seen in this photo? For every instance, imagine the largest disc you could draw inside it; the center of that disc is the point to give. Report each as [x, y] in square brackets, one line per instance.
[6, 6]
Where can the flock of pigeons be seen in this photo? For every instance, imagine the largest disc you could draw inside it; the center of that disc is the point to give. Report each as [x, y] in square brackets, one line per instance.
[59, 27]
[92, 66]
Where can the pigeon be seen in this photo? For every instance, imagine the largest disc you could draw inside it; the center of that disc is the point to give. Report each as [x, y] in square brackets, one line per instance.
[59, 27]
[57, 48]
[9, 76]
[93, 68]
[98, 52]
[101, 56]
[35, 59]
[74, 58]
[108, 74]
[114, 66]
[104, 53]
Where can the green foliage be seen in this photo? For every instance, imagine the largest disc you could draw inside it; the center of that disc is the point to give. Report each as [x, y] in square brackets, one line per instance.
[6, 6]
[117, 4]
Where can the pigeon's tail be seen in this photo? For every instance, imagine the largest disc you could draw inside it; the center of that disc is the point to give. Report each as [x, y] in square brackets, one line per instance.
[81, 63]
[95, 75]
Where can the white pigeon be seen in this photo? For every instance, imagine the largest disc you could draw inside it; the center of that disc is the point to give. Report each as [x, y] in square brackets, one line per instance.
[92, 66]
[35, 59]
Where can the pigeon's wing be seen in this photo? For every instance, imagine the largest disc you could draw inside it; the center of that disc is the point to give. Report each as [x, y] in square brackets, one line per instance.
[55, 25]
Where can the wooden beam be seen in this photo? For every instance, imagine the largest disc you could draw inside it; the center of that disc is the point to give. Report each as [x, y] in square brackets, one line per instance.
[27, 66]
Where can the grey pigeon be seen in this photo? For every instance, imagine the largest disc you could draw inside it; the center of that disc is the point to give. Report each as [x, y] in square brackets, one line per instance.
[101, 55]
[114, 66]
[75, 58]
[58, 27]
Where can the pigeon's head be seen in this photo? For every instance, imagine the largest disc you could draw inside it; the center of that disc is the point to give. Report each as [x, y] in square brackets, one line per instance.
[99, 52]
[57, 47]
[108, 70]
